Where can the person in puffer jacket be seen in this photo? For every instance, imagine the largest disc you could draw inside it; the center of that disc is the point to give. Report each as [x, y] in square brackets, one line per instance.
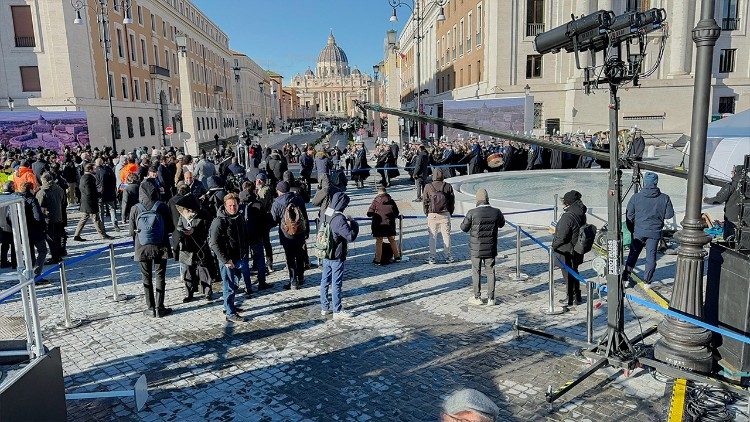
[343, 229]
[645, 217]
[566, 236]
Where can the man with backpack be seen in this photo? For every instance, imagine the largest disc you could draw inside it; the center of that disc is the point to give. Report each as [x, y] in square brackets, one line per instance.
[288, 211]
[150, 226]
[228, 241]
[645, 217]
[337, 230]
[566, 245]
[439, 202]
[482, 224]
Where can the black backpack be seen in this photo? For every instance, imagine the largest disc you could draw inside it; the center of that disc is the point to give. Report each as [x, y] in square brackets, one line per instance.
[439, 200]
[586, 237]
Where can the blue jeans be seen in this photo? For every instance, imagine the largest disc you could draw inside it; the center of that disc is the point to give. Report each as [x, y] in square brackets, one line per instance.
[333, 275]
[636, 246]
[230, 282]
[259, 261]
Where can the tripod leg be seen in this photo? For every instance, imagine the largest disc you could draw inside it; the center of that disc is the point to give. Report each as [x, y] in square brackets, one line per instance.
[554, 395]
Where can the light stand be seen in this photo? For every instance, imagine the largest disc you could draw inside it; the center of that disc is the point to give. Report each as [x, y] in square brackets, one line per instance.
[418, 17]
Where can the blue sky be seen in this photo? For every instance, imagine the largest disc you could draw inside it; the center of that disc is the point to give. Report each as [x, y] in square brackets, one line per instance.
[286, 35]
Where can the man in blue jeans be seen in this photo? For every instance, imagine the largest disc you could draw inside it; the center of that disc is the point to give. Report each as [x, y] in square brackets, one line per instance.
[228, 241]
[343, 230]
[645, 217]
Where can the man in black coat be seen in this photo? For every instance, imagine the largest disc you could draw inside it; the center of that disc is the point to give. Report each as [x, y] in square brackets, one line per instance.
[307, 163]
[482, 224]
[36, 228]
[194, 253]
[152, 256]
[421, 167]
[89, 204]
[106, 186]
[566, 236]
[636, 148]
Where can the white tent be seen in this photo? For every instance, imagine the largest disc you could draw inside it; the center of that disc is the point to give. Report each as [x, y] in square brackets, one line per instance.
[728, 143]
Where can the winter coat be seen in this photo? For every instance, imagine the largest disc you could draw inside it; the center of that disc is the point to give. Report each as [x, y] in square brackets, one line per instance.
[277, 214]
[257, 219]
[568, 228]
[228, 237]
[421, 165]
[106, 183]
[360, 169]
[203, 170]
[89, 194]
[647, 211]
[194, 248]
[323, 195]
[39, 167]
[307, 163]
[129, 198]
[729, 195]
[276, 167]
[166, 178]
[236, 169]
[52, 198]
[128, 169]
[22, 176]
[636, 148]
[323, 164]
[482, 224]
[295, 187]
[197, 188]
[148, 194]
[438, 186]
[384, 213]
[343, 230]
[35, 223]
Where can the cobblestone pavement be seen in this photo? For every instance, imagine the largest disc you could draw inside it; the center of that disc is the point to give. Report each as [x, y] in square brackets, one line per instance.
[413, 339]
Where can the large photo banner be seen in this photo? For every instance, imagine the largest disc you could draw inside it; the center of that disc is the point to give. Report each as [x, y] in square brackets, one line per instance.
[53, 130]
[502, 114]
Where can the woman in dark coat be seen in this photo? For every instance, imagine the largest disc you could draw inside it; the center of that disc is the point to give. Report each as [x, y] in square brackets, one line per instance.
[192, 237]
[384, 213]
[129, 195]
[360, 168]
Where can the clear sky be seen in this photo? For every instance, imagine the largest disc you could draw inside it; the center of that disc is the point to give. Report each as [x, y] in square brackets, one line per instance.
[286, 36]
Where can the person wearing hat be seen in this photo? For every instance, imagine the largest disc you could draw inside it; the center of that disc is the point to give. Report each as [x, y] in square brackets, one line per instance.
[636, 147]
[469, 405]
[482, 224]
[565, 237]
[343, 230]
[293, 243]
[192, 235]
[645, 217]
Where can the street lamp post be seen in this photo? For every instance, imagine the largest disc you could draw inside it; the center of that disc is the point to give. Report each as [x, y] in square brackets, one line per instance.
[11, 104]
[102, 9]
[418, 17]
[684, 344]
[376, 115]
[263, 103]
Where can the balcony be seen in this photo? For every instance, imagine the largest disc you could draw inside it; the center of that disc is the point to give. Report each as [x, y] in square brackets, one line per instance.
[533, 29]
[727, 24]
[158, 71]
[25, 42]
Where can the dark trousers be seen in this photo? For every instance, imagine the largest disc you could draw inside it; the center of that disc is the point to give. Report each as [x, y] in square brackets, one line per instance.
[574, 287]
[636, 246]
[197, 275]
[268, 248]
[154, 273]
[476, 273]
[55, 235]
[6, 243]
[419, 185]
[39, 248]
[259, 262]
[295, 260]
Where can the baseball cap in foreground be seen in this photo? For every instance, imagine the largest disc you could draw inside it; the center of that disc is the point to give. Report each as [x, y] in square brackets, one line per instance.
[469, 399]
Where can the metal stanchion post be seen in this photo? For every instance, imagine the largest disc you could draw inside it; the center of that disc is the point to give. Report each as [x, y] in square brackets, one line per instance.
[590, 312]
[518, 276]
[468, 171]
[552, 309]
[67, 322]
[554, 218]
[404, 258]
[116, 295]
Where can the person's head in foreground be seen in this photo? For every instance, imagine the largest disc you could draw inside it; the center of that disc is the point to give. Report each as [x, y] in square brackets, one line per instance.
[469, 405]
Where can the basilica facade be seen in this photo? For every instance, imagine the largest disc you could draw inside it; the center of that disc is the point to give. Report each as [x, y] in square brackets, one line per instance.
[330, 90]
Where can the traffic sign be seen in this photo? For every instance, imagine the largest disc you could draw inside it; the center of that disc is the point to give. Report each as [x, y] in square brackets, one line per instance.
[169, 130]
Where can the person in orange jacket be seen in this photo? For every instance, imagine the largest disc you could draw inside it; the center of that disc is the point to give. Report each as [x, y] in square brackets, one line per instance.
[129, 168]
[24, 175]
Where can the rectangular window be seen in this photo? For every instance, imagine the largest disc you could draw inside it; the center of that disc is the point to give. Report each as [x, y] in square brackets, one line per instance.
[454, 41]
[156, 54]
[133, 56]
[461, 77]
[141, 127]
[480, 21]
[116, 124]
[534, 17]
[23, 26]
[166, 58]
[147, 90]
[729, 20]
[129, 123]
[461, 38]
[468, 71]
[152, 126]
[479, 71]
[140, 15]
[144, 53]
[533, 66]
[469, 30]
[439, 58]
[726, 60]
[153, 23]
[726, 105]
[136, 89]
[124, 80]
[120, 48]
[164, 29]
[537, 115]
[30, 79]
[638, 5]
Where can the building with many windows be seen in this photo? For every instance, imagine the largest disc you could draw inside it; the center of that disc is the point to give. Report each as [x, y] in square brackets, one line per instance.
[484, 49]
[53, 58]
[330, 91]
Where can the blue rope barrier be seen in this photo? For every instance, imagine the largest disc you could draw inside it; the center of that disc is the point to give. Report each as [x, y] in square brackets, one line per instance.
[87, 255]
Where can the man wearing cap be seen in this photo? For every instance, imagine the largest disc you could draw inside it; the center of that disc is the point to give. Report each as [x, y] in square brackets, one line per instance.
[469, 405]
[482, 224]
[566, 236]
[645, 217]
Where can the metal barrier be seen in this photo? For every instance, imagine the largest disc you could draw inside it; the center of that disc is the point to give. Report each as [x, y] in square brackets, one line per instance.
[67, 322]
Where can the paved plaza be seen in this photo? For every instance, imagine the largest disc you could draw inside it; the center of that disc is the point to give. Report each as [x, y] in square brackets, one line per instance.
[413, 340]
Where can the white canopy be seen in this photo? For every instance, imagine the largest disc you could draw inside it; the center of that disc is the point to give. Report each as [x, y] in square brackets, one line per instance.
[728, 143]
